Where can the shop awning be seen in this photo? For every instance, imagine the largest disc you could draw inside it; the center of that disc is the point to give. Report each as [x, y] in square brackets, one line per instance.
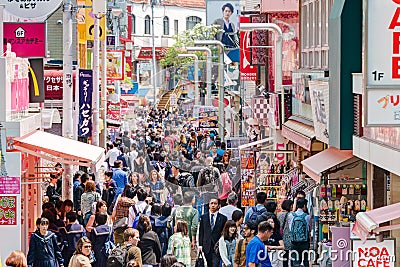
[299, 133]
[367, 223]
[60, 149]
[256, 143]
[314, 166]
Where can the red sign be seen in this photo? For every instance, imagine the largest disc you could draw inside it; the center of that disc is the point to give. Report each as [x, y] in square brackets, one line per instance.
[53, 84]
[147, 52]
[9, 185]
[114, 111]
[26, 39]
[8, 210]
[247, 71]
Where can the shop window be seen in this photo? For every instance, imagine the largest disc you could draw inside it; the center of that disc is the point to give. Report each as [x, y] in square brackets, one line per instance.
[176, 27]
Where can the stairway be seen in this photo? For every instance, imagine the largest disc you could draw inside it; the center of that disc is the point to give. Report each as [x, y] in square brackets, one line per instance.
[164, 101]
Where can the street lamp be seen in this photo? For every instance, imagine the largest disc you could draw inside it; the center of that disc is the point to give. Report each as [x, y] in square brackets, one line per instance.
[196, 76]
[278, 56]
[221, 115]
[208, 78]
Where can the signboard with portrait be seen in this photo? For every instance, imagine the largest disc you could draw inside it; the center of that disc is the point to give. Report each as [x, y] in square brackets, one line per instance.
[219, 11]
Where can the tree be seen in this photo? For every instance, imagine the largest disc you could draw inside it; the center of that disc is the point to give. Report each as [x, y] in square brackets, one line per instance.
[185, 39]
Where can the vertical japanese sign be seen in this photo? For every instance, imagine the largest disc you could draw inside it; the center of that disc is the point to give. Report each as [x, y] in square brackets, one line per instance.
[247, 162]
[85, 102]
[8, 210]
[247, 71]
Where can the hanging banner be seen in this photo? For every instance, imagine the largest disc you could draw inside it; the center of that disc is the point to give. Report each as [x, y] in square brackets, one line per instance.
[247, 71]
[85, 103]
[8, 210]
[319, 92]
[247, 163]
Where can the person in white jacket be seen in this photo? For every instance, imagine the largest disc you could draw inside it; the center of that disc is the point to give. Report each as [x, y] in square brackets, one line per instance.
[227, 243]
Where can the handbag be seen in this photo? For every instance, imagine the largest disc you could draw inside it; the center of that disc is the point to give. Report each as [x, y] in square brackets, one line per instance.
[109, 245]
[200, 260]
[120, 225]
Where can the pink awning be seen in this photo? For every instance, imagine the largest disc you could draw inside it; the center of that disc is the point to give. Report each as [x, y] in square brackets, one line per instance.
[314, 166]
[368, 222]
[60, 149]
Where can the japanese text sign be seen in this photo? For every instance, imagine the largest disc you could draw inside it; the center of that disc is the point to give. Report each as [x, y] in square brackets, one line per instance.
[53, 84]
[26, 39]
[247, 71]
[383, 106]
[85, 102]
[383, 24]
[10, 185]
[8, 210]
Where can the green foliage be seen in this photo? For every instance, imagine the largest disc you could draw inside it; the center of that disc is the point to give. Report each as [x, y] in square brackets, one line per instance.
[185, 39]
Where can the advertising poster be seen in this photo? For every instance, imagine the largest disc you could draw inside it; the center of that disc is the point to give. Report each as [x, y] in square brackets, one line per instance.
[8, 210]
[247, 164]
[9, 185]
[217, 12]
[85, 103]
[247, 71]
[115, 65]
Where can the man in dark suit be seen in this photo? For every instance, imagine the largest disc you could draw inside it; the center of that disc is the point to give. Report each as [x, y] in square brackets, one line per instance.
[211, 226]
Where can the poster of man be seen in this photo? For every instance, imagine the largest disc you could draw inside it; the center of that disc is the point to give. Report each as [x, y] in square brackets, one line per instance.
[225, 14]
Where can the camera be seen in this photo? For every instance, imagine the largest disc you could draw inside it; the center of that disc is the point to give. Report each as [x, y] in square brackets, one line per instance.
[59, 22]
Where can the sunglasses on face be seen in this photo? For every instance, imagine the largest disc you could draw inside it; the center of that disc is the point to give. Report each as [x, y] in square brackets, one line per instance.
[87, 246]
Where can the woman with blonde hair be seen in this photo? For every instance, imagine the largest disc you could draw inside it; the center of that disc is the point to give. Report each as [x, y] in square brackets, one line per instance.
[16, 259]
[179, 243]
[156, 184]
[81, 257]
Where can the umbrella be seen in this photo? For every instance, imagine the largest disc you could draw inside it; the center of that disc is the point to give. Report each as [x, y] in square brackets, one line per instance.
[252, 121]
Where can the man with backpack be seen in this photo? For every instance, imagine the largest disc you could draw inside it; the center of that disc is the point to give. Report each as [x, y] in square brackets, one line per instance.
[141, 207]
[299, 225]
[253, 212]
[121, 255]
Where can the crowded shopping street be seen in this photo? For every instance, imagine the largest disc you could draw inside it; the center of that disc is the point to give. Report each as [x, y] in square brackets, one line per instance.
[200, 133]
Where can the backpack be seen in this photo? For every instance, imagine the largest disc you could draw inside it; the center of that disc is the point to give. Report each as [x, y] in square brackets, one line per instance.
[299, 231]
[92, 210]
[118, 257]
[160, 227]
[137, 215]
[108, 246]
[256, 213]
[185, 179]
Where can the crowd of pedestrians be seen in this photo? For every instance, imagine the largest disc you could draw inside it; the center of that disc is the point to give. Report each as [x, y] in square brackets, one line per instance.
[169, 197]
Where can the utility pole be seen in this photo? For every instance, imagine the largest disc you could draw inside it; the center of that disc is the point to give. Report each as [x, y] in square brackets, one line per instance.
[153, 51]
[67, 124]
[96, 77]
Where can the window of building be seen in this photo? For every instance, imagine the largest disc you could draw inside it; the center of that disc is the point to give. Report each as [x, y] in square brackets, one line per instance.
[147, 25]
[191, 22]
[133, 24]
[176, 27]
[166, 25]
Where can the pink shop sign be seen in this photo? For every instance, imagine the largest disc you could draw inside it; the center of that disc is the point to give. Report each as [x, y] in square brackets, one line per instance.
[10, 185]
[26, 39]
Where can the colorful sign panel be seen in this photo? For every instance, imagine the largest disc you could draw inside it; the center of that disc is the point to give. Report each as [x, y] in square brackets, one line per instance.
[26, 39]
[115, 65]
[34, 9]
[9, 185]
[114, 111]
[36, 80]
[203, 111]
[247, 163]
[85, 103]
[248, 72]
[383, 106]
[372, 253]
[8, 210]
[147, 53]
